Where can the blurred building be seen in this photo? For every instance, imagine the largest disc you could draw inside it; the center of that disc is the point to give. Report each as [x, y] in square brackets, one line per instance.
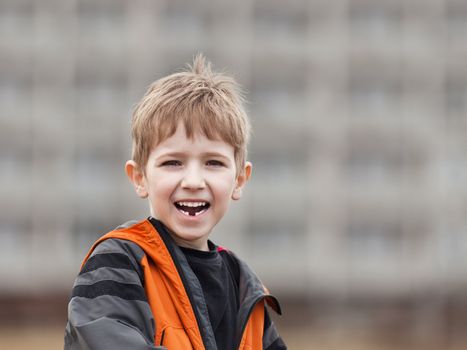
[359, 110]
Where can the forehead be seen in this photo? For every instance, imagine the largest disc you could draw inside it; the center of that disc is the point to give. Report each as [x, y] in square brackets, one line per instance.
[197, 142]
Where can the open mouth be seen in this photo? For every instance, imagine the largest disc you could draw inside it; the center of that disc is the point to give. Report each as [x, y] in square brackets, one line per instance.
[192, 208]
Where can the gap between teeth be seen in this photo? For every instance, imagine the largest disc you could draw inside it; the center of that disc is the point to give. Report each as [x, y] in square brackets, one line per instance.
[196, 214]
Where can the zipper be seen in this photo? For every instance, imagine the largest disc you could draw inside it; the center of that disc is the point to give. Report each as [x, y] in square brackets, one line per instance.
[165, 236]
[162, 337]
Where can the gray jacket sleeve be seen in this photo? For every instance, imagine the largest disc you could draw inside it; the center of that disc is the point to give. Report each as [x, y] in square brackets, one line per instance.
[108, 309]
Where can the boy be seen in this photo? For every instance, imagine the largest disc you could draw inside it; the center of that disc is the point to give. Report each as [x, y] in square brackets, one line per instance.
[160, 283]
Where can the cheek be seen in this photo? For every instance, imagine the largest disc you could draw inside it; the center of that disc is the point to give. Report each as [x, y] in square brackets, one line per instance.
[161, 186]
[225, 187]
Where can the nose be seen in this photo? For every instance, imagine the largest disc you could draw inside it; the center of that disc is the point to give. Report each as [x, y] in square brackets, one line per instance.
[193, 178]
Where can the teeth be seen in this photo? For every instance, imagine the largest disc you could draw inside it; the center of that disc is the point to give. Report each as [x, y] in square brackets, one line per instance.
[192, 204]
[201, 207]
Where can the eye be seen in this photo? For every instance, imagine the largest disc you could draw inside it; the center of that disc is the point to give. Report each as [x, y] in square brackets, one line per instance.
[215, 163]
[171, 163]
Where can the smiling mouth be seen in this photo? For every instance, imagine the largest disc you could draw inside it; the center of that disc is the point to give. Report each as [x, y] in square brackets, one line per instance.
[192, 208]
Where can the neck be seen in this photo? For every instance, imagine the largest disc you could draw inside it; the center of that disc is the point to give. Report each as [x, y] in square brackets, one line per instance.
[198, 245]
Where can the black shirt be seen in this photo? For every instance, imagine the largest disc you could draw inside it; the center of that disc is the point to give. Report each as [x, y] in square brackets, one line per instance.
[218, 275]
[220, 292]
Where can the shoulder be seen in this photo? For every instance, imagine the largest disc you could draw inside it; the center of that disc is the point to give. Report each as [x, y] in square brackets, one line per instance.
[114, 245]
[112, 269]
[239, 268]
[119, 246]
[233, 260]
[114, 253]
[228, 256]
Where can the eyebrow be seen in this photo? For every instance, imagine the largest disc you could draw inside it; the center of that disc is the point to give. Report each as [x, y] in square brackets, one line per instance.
[215, 154]
[171, 154]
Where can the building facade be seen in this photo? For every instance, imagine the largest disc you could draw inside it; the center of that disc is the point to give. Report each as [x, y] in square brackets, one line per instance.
[359, 148]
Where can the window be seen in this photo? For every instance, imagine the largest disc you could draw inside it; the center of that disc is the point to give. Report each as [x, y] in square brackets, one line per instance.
[16, 95]
[373, 159]
[100, 95]
[454, 168]
[279, 88]
[17, 18]
[456, 100]
[86, 230]
[368, 237]
[456, 19]
[183, 19]
[95, 172]
[14, 239]
[375, 19]
[280, 154]
[275, 21]
[452, 243]
[287, 167]
[278, 216]
[15, 162]
[278, 234]
[375, 90]
[103, 19]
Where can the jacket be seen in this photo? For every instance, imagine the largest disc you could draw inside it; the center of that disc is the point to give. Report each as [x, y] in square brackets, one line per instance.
[136, 290]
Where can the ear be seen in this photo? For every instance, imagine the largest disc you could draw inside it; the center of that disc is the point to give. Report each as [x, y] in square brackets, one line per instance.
[136, 176]
[242, 179]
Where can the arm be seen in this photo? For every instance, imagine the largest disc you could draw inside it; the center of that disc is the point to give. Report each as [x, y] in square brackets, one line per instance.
[108, 307]
[271, 338]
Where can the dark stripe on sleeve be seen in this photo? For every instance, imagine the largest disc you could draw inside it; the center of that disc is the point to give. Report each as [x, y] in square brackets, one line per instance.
[122, 290]
[115, 260]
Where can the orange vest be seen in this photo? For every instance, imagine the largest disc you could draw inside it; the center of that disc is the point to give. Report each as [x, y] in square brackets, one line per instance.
[177, 325]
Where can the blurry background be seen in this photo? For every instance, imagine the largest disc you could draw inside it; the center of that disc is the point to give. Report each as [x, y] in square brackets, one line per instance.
[356, 214]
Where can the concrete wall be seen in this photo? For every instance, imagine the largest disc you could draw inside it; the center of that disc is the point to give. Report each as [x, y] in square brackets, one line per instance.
[359, 114]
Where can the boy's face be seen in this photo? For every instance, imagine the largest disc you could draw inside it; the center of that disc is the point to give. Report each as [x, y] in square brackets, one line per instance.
[189, 184]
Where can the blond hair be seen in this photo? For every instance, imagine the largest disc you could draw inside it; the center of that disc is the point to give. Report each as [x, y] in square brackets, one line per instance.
[203, 101]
